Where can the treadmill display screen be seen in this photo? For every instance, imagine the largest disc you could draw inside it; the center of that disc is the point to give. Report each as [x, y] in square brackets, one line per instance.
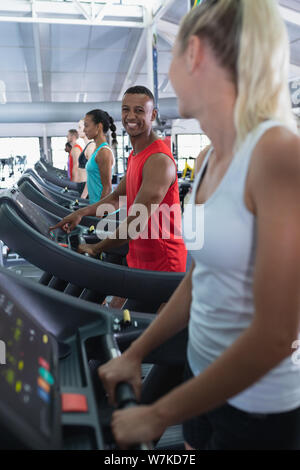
[27, 380]
[34, 215]
[41, 188]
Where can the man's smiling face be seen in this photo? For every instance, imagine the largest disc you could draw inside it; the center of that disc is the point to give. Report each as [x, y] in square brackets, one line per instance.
[138, 113]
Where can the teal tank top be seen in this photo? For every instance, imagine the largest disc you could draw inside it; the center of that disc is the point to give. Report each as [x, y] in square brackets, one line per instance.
[94, 183]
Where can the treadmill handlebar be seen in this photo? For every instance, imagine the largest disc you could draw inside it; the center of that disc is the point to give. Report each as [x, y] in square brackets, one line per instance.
[125, 396]
[81, 241]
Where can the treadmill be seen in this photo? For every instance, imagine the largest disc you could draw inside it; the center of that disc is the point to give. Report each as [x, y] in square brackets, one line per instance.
[48, 167]
[50, 394]
[24, 227]
[64, 197]
[41, 196]
[53, 178]
[65, 194]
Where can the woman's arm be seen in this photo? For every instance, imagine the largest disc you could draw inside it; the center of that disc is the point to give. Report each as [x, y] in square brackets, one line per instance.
[104, 160]
[274, 184]
[172, 319]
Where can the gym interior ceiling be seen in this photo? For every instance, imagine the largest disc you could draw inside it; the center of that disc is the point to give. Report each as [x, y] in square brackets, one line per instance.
[84, 50]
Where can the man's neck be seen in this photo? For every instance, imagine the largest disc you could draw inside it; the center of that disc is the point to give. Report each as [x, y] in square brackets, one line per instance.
[141, 142]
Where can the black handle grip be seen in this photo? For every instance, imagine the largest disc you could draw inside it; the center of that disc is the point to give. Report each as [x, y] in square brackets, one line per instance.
[81, 241]
[125, 396]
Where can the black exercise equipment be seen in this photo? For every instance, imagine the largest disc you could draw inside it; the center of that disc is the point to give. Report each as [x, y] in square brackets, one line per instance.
[48, 167]
[24, 228]
[53, 178]
[43, 406]
[41, 196]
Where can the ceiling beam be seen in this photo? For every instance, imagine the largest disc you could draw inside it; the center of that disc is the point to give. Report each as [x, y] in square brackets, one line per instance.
[46, 59]
[82, 10]
[72, 12]
[64, 9]
[168, 31]
[38, 62]
[37, 53]
[165, 6]
[166, 37]
[167, 27]
[23, 19]
[139, 52]
[103, 11]
[289, 15]
[31, 78]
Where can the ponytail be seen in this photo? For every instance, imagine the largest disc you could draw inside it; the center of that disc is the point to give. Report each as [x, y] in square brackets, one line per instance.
[263, 65]
[249, 39]
[113, 129]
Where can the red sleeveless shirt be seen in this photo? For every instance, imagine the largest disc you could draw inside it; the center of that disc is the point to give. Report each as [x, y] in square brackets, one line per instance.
[164, 249]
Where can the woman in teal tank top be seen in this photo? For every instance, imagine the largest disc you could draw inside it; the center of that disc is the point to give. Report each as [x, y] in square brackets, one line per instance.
[99, 167]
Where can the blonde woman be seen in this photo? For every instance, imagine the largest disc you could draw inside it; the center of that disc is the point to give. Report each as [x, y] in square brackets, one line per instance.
[241, 298]
[85, 155]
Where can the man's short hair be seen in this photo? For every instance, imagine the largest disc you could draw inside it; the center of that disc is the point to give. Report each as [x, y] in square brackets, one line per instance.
[140, 90]
[73, 132]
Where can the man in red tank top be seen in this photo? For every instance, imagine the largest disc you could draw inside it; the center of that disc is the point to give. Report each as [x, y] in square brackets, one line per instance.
[151, 184]
[74, 154]
[151, 178]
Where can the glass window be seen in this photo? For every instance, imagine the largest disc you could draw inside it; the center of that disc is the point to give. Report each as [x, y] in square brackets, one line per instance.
[59, 156]
[24, 152]
[188, 148]
[19, 146]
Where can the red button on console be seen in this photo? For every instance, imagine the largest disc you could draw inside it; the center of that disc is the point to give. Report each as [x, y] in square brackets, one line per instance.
[74, 403]
[44, 363]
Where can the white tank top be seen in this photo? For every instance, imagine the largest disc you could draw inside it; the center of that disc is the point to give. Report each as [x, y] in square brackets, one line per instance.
[222, 294]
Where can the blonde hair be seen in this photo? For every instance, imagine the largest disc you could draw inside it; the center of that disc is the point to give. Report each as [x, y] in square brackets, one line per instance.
[250, 40]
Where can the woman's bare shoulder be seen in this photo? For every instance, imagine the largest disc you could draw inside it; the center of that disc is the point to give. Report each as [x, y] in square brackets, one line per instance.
[200, 158]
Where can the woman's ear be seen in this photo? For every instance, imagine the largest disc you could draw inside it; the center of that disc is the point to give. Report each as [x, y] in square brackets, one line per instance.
[194, 53]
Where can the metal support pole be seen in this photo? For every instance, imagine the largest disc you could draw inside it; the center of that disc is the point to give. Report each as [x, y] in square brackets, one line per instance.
[149, 41]
[45, 144]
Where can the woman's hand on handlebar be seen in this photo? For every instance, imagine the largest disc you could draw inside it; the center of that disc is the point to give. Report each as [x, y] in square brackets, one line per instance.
[69, 223]
[121, 369]
[136, 425]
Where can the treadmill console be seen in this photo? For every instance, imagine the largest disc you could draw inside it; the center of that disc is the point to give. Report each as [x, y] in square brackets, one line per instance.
[33, 214]
[29, 397]
[35, 182]
[39, 219]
